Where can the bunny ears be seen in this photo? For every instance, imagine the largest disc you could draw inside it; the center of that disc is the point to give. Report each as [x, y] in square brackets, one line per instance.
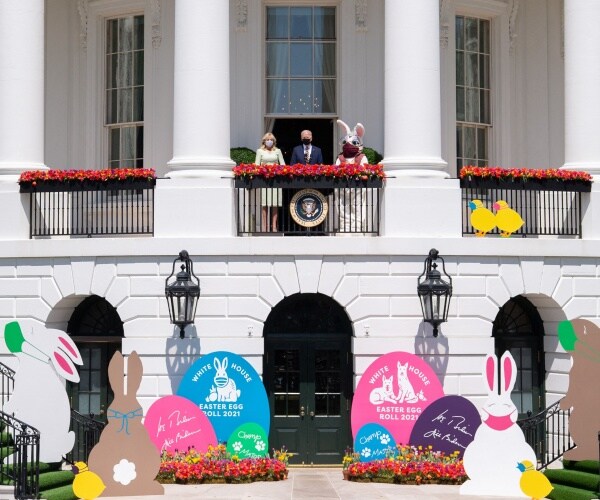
[508, 369]
[358, 132]
[57, 349]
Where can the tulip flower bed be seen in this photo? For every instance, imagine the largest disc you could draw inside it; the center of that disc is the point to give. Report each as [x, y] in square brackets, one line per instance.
[471, 172]
[410, 465]
[217, 466]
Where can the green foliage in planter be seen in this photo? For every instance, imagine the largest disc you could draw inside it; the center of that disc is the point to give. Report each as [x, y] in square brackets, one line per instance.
[242, 155]
[373, 156]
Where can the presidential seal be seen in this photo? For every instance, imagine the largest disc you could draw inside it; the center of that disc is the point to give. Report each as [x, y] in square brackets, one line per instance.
[309, 207]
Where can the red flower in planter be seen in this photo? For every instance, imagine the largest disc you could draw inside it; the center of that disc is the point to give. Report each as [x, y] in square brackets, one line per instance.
[523, 174]
[110, 174]
[346, 171]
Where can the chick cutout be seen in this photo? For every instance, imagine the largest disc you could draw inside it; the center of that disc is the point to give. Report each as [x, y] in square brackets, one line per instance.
[533, 483]
[87, 485]
[482, 219]
[507, 220]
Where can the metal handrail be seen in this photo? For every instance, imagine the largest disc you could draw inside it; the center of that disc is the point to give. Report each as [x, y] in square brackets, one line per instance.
[23, 445]
[87, 434]
[548, 434]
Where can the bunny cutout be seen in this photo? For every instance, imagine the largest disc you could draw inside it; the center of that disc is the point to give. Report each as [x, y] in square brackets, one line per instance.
[125, 458]
[39, 398]
[499, 445]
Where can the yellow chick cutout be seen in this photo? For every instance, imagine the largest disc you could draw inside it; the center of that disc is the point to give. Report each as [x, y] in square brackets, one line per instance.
[87, 485]
[483, 220]
[533, 483]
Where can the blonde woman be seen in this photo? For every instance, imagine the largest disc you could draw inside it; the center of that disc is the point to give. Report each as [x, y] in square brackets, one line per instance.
[271, 198]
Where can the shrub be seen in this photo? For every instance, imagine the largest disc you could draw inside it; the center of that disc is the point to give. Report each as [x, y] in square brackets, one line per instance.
[373, 156]
[242, 155]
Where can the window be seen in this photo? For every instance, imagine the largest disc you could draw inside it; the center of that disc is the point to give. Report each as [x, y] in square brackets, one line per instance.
[125, 91]
[473, 93]
[301, 60]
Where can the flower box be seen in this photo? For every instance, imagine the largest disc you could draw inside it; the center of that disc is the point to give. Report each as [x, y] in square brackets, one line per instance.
[86, 180]
[85, 185]
[550, 179]
[306, 182]
[530, 184]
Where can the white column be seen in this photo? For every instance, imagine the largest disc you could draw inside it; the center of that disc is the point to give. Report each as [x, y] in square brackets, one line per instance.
[413, 130]
[582, 84]
[21, 87]
[201, 121]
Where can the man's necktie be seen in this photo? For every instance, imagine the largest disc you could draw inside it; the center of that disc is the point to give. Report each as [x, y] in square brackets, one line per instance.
[306, 156]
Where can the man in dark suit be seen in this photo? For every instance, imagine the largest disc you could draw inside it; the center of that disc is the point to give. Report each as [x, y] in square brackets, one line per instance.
[306, 153]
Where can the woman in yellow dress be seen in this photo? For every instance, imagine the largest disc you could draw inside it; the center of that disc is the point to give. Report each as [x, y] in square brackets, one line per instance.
[271, 198]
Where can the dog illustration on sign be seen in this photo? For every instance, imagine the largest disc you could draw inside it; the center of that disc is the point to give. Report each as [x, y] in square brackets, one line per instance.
[406, 392]
[384, 394]
[225, 389]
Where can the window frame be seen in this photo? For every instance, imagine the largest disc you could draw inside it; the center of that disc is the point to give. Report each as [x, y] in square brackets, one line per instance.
[94, 94]
[308, 3]
[109, 127]
[498, 14]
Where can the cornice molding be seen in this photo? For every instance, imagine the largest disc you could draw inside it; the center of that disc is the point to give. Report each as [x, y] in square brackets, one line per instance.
[512, 23]
[241, 15]
[155, 17]
[83, 9]
[444, 23]
[360, 15]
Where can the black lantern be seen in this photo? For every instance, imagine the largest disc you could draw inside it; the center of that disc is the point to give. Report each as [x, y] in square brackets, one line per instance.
[434, 292]
[182, 293]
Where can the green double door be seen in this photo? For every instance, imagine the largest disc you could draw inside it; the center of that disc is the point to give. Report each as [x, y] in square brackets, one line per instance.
[308, 380]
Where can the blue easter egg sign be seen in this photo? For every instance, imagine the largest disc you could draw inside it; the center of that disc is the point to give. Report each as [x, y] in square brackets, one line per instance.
[374, 442]
[228, 390]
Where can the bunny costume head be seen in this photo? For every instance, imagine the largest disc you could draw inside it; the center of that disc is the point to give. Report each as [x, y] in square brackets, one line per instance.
[352, 140]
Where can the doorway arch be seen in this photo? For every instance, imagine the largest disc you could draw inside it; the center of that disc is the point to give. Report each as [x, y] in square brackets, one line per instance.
[97, 329]
[518, 328]
[308, 373]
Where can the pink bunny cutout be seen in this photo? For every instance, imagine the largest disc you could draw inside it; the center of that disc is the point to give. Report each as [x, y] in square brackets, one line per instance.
[499, 445]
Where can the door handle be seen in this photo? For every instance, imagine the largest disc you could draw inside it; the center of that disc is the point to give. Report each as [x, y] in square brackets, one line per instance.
[302, 412]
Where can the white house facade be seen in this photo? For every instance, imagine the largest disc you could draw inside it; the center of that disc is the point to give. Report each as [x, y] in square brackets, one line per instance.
[174, 84]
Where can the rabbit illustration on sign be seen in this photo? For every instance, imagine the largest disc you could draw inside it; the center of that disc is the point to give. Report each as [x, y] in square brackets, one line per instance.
[225, 389]
[499, 444]
[39, 398]
[385, 393]
[125, 458]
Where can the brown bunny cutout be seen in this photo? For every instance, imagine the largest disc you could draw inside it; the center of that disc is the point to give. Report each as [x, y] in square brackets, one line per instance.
[582, 339]
[125, 458]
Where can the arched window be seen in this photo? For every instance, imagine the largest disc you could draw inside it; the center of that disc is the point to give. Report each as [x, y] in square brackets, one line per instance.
[518, 328]
[97, 329]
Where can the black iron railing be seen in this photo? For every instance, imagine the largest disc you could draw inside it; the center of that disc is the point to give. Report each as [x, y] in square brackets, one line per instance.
[21, 447]
[548, 209]
[286, 209]
[7, 383]
[87, 434]
[548, 434]
[91, 209]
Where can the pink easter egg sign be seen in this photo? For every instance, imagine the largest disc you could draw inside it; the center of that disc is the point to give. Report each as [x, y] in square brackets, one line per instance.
[393, 392]
[175, 423]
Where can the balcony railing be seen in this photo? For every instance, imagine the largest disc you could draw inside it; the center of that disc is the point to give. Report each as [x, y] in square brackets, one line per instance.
[91, 208]
[548, 207]
[307, 207]
[548, 434]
